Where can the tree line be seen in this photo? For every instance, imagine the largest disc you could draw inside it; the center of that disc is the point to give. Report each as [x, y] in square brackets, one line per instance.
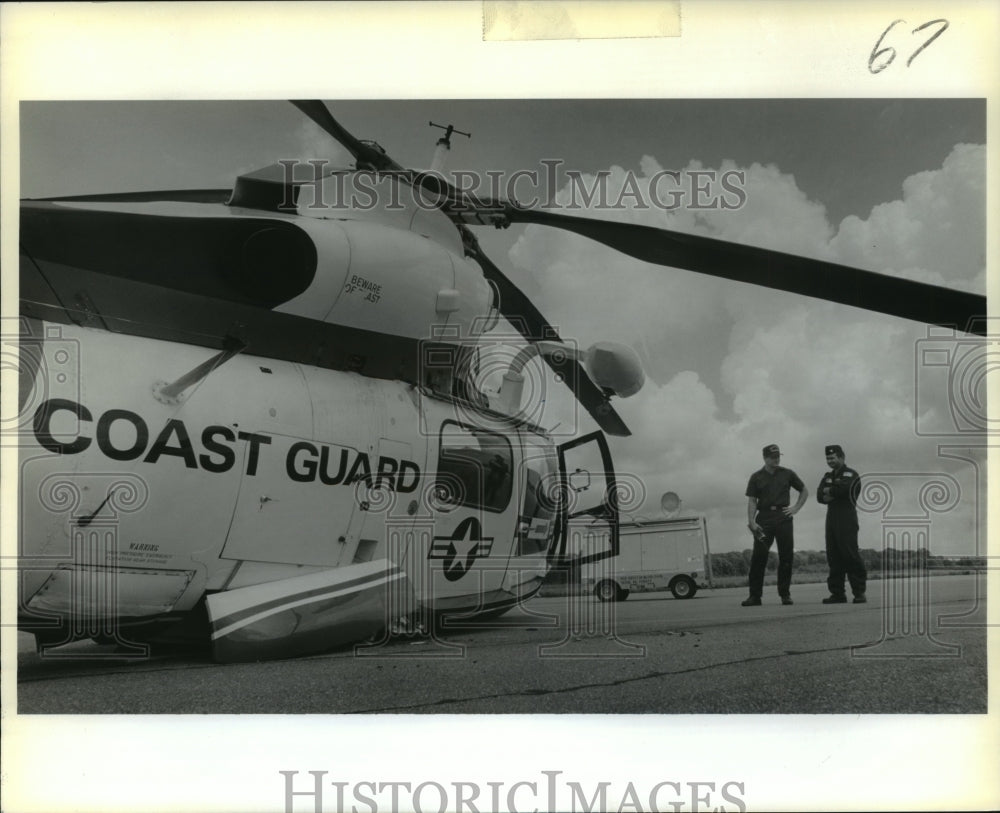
[737, 563]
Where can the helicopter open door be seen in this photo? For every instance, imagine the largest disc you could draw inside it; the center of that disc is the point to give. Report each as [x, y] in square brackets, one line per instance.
[589, 514]
[537, 487]
[473, 507]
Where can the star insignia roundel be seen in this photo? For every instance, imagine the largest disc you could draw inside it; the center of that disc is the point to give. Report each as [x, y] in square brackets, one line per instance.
[461, 549]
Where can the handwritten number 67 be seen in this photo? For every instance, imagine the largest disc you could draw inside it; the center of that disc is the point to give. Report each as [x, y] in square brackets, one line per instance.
[877, 52]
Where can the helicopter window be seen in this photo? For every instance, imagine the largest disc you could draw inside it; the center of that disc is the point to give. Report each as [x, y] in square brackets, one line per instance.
[539, 504]
[475, 468]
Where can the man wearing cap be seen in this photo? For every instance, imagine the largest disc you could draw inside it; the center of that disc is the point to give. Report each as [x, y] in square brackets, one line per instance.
[839, 490]
[769, 517]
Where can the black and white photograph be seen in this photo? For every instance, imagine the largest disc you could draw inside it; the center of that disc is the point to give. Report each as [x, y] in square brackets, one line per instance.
[358, 420]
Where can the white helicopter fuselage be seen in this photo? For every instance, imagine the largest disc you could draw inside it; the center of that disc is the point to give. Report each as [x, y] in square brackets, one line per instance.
[297, 505]
[268, 471]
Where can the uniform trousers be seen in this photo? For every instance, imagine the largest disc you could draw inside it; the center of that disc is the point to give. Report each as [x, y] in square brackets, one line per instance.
[777, 527]
[842, 553]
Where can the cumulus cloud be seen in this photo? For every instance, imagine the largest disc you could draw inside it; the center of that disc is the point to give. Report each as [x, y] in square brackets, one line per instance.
[936, 233]
[732, 367]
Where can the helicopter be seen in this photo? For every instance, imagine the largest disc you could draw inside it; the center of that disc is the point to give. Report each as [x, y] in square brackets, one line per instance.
[258, 421]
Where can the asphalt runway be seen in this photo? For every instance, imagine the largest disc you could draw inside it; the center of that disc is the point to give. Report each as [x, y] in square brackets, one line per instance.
[917, 646]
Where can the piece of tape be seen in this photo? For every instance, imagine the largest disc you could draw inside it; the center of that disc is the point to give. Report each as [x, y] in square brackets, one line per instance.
[580, 19]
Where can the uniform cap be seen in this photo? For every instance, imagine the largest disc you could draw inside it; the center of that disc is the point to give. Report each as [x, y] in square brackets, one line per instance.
[833, 448]
[771, 450]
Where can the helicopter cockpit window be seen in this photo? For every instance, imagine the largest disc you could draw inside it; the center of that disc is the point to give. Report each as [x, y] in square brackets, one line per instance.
[475, 468]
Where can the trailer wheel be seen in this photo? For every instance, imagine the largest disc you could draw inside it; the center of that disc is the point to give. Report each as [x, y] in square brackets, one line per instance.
[683, 587]
[608, 590]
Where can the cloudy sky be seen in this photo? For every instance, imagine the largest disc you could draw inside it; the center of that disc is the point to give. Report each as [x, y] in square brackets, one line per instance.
[895, 186]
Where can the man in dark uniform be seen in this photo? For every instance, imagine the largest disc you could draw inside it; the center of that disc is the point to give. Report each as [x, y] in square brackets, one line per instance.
[839, 490]
[769, 517]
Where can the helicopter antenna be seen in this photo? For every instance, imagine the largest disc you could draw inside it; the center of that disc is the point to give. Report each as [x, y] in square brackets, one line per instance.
[448, 130]
[171, 393]
[443, 145]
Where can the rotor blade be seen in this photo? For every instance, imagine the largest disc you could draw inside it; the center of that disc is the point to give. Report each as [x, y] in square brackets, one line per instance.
[364, 154]
[529, 322]
[367, 156]
[774, 269]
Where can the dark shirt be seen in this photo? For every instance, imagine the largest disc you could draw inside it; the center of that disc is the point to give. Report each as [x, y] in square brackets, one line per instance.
[772, 490]
[844, 484]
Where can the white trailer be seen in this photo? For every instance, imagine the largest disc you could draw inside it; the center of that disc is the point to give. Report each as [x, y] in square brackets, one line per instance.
[664, 554]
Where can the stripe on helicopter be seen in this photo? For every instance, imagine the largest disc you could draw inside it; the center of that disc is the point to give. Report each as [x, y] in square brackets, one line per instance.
[264, 605]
